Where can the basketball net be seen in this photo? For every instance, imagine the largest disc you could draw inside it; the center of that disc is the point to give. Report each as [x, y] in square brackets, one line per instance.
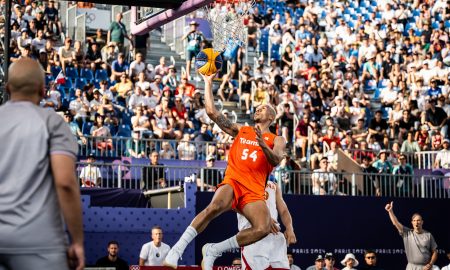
[227, 23]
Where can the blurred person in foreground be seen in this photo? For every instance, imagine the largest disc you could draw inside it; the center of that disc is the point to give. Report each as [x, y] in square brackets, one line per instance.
[46, 188]
[420, 246]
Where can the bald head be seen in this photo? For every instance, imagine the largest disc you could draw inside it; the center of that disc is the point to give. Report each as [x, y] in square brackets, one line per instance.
[26, 78]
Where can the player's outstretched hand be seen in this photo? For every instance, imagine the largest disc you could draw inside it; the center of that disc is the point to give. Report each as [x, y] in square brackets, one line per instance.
[274, 226]
[75, 254]
[389, 207]
[208, 78]
[290, 237]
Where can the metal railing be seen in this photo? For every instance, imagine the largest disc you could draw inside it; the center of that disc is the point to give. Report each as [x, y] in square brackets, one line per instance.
[117, 147]
[148, 177]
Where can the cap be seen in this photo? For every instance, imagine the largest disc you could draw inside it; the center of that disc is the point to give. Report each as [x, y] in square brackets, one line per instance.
[16, 6]
[193, 23]
[225, 111]
[197, 92]
[319, 258]
[329, 255]
[355, 100]
[446, 141]
[150, 67]
[91, 155]
[210, 157]
[382, 151]
[24, 30]
[42, 50]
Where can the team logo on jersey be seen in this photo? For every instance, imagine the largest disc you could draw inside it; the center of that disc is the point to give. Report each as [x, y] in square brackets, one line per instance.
[266, 138]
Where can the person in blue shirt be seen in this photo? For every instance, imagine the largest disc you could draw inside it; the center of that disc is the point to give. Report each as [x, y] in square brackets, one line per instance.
[119, 67]
[434, 91]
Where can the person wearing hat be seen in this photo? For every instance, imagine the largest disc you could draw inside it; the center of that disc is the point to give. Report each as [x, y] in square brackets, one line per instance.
[403, 180]
[90, 175]
[349, 262]
[209, 177]
[194, 39]
[330, 261]
[420, 246]
[96, 102]
[442, 160]
[319, 263]
[384, 167]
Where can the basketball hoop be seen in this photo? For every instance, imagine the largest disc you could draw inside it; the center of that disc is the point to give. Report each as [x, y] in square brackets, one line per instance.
[227, 27]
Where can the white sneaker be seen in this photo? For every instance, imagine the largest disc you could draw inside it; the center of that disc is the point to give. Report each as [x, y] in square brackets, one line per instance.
[209, 256]
[172, 258]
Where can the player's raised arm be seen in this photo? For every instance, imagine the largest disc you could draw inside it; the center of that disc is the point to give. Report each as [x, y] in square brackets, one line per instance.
[390, 209]
[224, 123]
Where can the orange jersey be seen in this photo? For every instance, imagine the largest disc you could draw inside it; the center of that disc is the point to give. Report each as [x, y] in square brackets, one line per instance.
[247, 163]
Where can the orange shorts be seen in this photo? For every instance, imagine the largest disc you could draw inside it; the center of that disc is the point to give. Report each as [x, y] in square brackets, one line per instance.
[242, 194]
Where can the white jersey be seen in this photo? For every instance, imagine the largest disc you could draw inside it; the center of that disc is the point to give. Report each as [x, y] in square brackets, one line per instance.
[271, 251]
[153, 255]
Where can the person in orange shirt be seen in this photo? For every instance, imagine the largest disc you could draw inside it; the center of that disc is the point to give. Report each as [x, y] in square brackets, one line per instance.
[253, 155]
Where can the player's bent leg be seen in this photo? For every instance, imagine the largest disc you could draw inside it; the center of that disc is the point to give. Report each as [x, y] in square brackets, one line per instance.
[220, 203]
[258, 215]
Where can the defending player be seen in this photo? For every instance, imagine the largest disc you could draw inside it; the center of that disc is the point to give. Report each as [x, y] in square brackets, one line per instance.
[271, 251]
[253, 154]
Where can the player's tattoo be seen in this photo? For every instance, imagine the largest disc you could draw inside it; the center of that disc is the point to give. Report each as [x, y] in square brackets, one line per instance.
[223, 122]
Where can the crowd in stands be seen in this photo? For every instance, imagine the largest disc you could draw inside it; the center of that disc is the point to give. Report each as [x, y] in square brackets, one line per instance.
[362, 76]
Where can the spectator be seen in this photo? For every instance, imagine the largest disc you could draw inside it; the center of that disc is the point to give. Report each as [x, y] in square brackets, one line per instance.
[137, 66]
[75, 129]
[112, 259]
[236, 262]
[436, 118]
[153, 176]
[329, 262]
[153, 253]
[301, 135]
[324, 182]
[423, 137]
[123, 88]
[186, 150]
[370, 261]
[332, 156]
[119, 67]
[442, 160]
[194, 38]
[94, 57]
[349, 262]
[180, 115]
[291, 262]
[66, 54]
[209, 177]
[79, 107]
[359, 132]
[371, 180]
[384, 168]
[90, 175]
[414, 239]
[403, 180]
[102, 133]
[318, 264]
[135, 147]
[161, 126]
[404, 125]
[166, 151]
[286, 119]
[378, 127]
[161, 69]
[117, 33]
[136, 99]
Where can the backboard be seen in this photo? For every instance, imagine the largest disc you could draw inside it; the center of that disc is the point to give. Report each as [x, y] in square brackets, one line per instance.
[144, 19]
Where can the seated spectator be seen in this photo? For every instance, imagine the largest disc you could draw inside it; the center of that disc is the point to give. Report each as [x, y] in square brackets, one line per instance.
[359, 133]
[286, 118]
[410, 145]
[422, 137]
[378, 127]
[436, 118]
[94, 57]
[141, 121]
[319, 264]
[161, 126]
[137, 66]
[332, 157]
[324, 182]
[75, 129]
[442, 160]
[166, 151]
[170, 79]
[119, 67]
[79, 107]
[186, 150]
[330, 137]
[123, 89]
[226, 88]
[96, 103]
[340, 113]
[404, 125]
[112, 259]
[371, 180]
[370, 261]
[301, 135]
[103, 140]
[209, 177]
[260, 95]
[90, 175]
[66, 54]
[109, 54]
[384, 168]
[142, 81]
[136, 98]
[154, 175]
[436, 140]
[180, 115]
[135, 147]
[161, 69]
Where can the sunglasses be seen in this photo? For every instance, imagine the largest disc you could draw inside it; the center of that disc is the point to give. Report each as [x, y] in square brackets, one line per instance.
[371, 257]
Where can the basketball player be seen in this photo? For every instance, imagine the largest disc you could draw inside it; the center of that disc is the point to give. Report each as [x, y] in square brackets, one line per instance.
[253, 154]
[271, 251]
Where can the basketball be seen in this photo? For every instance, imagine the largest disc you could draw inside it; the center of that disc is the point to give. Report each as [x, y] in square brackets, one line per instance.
[208, 61]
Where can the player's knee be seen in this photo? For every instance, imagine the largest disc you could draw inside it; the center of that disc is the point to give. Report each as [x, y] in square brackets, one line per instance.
[214, 208]
[261, 231]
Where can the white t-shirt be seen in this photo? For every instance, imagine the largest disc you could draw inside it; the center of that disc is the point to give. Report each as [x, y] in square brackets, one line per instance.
[153, 255]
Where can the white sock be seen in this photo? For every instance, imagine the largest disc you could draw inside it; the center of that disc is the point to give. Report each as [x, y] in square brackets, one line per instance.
[230, 243]
[189, 234]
